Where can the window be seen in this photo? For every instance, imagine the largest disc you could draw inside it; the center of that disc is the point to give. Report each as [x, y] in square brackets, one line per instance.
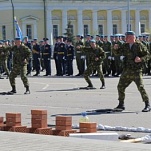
[55, 30]
[71, 29]
[114, 29]
[129, 27]
[4, 32]
[86, 30]
[29, 31]
[142, 28]
[100, 28]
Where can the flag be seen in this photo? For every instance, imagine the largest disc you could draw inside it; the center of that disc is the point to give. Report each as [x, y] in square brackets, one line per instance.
[18, 30]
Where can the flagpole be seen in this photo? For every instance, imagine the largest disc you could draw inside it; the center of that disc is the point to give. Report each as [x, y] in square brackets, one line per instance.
[13, 13]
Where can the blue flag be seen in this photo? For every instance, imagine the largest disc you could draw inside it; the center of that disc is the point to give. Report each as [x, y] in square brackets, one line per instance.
[18, 30]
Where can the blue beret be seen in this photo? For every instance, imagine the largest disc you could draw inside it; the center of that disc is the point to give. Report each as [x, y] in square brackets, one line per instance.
[35, 39]
[26, 37]
[102, 36]
[78, 35]
[45, 39]
[88, 35]
[130, 33]
[93, 41]
[97, 35]
[105, 36]
[17, 38]
[1, 42]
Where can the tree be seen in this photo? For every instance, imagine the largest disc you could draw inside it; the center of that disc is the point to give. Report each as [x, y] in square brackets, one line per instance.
[69, 32]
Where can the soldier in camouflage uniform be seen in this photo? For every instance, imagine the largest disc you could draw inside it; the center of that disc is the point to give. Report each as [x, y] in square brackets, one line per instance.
[4, 53]
[80, 58]
[21, 55]
[96, 55]
[107, 61]
[135, 54]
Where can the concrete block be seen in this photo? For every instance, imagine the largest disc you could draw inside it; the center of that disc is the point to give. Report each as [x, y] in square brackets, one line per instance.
[99, 136]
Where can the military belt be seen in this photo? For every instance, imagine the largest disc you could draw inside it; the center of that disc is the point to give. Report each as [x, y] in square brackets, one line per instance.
[69, 54]
[60, 53]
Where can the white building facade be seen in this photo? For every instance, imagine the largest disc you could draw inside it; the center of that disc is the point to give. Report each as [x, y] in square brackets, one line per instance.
[49, 18]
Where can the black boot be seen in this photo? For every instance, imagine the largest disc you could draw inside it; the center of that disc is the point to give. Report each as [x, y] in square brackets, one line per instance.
[27, 90]
[120, 106]
[13, 90]
[103, 85]
[147, 107]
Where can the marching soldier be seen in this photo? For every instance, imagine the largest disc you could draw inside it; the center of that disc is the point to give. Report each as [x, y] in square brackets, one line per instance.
[21, 55]
[135, 54]
[96, 55]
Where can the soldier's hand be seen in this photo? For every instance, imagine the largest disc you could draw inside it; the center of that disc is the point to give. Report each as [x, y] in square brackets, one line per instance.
[78, 47]
[116, 46]
[96, 59]
[138, 59]
[25, 61]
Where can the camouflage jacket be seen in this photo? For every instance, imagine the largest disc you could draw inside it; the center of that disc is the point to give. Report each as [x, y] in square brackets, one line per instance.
[20, 54]
[4, 53]
[137, 49]
[94, 53]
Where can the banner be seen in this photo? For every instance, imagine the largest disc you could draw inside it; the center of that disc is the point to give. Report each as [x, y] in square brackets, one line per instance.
[18, 30]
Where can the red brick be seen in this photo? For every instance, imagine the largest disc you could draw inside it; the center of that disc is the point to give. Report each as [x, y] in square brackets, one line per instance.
[56, 132]
[87, 125]
[30, 130]
[66, 132]
[39, 116]
[44, 131]
[14, 120]
[63, 123]
[22, 129]
[38, 112]
[34, 121]
[39, 125]
[63, 132]
[63, 127]
[14, 115]
[1, 120]
[88, 130]
[63, 118]
[13, 124]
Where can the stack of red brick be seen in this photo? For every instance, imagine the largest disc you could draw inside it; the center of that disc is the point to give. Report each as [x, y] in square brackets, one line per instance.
[13, 123]
[39, 123]
[88, 127]
[63, 126]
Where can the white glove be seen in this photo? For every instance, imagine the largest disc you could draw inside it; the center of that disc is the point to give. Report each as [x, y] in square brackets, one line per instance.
[122, 57]
[109, 57]
[82, 57]
[113, 58]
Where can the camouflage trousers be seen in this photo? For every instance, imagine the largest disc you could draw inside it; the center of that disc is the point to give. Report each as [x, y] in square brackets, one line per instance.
[127, 77]
[90, 70]
[3, 63]
[18, 69]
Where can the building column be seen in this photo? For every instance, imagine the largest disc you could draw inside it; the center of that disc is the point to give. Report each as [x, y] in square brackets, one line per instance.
[95, 21]
[64, 21]
[80, 22]
[109, 23]
[137, 22]
[123, 21]
[149, 21]
[49, 26]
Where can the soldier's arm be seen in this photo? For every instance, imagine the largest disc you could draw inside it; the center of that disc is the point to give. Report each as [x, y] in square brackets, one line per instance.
[145, 54]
